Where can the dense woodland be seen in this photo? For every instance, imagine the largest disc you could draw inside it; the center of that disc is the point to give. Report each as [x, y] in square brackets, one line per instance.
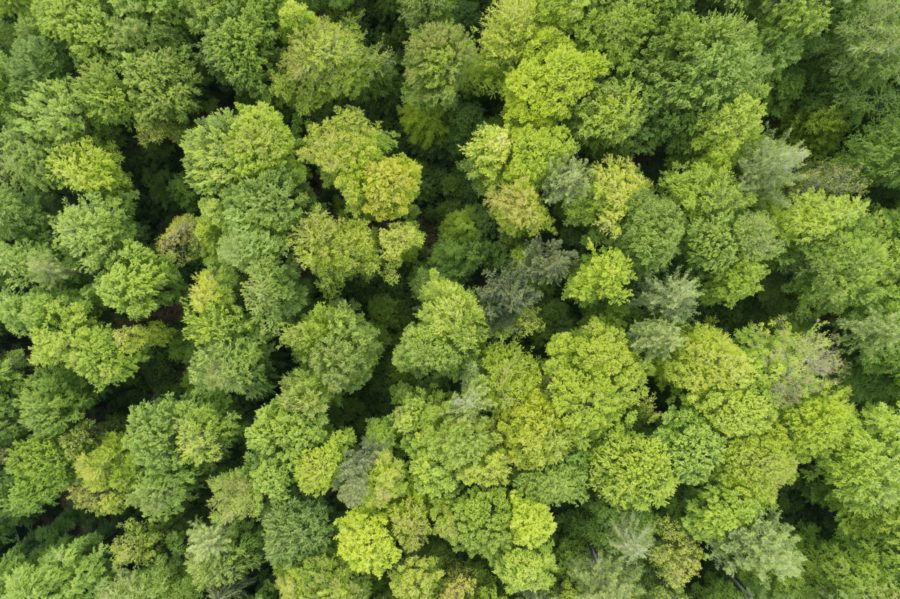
[449, 299]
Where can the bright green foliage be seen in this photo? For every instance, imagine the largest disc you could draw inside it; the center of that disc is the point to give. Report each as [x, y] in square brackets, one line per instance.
[726, 241]
[496, 154]
[36, 473]
[228, 146]
[83, 167]
[322, 576]
[531, 523]
[863, 473]
[335, 249]
[335, 345]
[819, 425]
[92, 229]
[233, 497]
[604, 277]
[517, 209]
[391, 186]
[815, 215]
[286, 432]
[726, 131]
[526, 569]
[71, 569]
[632, 471]
[450, 328]
[363, 541]
[417, 576]
[449, 299]
[745, 487]
[611, 115]
[47, 116]
[225, 358]
[593, 379]
[506, 27]
[546, 86]
[676, 558]
[695, 449]
[137, 281]
[345, 147]
[720, 381]
[324, 61]
[616, 180]
[477, 523]
[796, 364]
[398, 243]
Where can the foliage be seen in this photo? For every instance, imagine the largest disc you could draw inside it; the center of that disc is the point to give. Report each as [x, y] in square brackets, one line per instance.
[449, 299]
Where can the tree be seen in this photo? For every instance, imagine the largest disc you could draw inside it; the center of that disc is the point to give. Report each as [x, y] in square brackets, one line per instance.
[70, 568]
[228, 146]
[593, 379]
[310, 74]
[239, 44]
[84, 167]
[438, 65]
[695, 449]
[390, 187]
[605, 276]
[36, 473]
[336, 346]
[676, 559]
[611, 116]
[92, 229]
[398, 243]
[138, 281]
[364, 542]
[226, 356]
[322, 575]
[51, 400]
[546, 86]
[295, 530]
[652, 217]
[531, 523]
[632, 471]
[343, 147]
[162, 87]
[450, 328]
[220, 555]
[335, 249]
[517, 209]
[697, 64]
[767, 549]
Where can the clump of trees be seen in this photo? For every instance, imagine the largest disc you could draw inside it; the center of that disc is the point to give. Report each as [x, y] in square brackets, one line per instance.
[449, 299]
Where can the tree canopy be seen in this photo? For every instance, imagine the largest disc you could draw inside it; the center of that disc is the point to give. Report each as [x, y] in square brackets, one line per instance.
[449, 299]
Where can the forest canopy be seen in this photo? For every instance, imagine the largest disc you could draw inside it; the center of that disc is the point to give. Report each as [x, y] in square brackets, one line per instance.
[449, 299]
